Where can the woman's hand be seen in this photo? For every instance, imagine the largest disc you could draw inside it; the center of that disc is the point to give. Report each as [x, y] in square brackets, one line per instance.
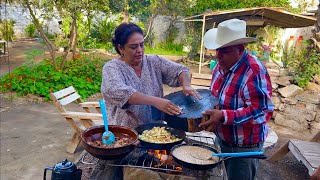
[188, 90]
[166, 106]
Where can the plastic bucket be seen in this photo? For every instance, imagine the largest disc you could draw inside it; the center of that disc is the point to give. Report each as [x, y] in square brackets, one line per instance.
[213, 64]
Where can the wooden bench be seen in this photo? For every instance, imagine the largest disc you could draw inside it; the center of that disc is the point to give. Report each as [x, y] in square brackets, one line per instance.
[307, 152]
[67, 96]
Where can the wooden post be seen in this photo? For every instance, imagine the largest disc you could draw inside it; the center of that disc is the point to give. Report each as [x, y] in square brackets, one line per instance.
[282, 151]
[201, 51]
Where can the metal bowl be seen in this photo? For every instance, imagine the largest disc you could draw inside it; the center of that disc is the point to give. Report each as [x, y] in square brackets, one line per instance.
[95, 133]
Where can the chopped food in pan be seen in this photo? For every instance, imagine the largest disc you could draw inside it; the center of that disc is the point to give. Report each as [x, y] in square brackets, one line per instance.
[158, 135]
[119, 143]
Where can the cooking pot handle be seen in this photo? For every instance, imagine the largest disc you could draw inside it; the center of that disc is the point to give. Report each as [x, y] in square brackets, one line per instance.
[45, 172]
[262, 156]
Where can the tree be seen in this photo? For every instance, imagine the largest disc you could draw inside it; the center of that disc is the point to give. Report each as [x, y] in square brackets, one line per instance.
[75, 9]
[30, 5]
[199, 6]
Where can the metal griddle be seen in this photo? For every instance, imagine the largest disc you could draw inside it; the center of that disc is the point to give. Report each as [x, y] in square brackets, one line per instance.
[192, 107]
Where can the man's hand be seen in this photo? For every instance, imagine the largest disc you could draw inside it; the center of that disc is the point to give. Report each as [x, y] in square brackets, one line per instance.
[166, 106]
[216, 117]
[188, 90]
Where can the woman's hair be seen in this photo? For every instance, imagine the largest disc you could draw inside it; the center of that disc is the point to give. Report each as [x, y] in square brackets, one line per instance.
[122, 34]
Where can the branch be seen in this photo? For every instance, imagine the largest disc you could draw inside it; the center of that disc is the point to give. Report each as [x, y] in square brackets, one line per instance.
[150, 25]
[49, 45]
[72, 34]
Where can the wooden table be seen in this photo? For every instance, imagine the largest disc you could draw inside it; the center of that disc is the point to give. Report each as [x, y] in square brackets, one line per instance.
[306, 152]
[270, 142]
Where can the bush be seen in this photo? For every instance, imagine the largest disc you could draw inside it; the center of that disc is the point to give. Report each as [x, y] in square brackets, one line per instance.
[103, 30]
[59, 41]
[83, 73]
[30, 30]
[6, 29]
[171, 46]
[305, 66]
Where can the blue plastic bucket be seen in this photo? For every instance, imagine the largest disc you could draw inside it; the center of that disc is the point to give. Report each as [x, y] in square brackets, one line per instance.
[213, 64]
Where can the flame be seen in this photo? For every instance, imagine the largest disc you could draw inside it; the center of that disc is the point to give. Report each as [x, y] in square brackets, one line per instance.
[164, 158]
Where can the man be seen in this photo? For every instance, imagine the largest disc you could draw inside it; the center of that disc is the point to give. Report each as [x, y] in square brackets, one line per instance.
[242, 85]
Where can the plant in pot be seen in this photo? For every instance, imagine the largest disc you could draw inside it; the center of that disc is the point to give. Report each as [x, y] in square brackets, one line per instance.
[61, 43]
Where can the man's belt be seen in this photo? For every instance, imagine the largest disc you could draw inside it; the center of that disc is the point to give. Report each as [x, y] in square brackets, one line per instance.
[240, 145]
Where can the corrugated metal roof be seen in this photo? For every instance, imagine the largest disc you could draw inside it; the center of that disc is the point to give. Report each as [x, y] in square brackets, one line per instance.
[260, 16]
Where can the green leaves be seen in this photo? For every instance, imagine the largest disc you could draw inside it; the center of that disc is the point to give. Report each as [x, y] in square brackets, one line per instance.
[42, 78]
[305, 66]
[30, 30]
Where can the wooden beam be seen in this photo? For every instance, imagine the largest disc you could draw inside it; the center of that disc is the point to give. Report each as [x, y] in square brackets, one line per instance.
[201, 76]
[201, 49]
[201, 82]
[75, 141]
[282, 151]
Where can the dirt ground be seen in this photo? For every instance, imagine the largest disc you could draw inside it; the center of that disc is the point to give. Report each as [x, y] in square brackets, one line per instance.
[33, 135]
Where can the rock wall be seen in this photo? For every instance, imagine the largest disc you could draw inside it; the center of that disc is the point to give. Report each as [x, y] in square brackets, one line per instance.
[22, 17]
[295, 108]
[161, 25]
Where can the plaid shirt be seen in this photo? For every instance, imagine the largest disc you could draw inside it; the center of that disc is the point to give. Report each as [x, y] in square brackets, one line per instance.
[244, 94]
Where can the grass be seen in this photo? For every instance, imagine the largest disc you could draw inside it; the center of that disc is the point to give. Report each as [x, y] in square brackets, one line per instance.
[160, 51]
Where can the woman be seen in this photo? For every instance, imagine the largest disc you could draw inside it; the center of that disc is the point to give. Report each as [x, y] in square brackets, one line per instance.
[132, 83]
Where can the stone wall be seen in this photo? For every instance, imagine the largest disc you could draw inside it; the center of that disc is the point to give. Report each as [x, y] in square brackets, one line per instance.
[295, 108]
[161, 25]
[22, 18]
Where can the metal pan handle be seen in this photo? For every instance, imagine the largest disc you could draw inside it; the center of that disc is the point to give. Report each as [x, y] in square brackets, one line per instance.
[238, 154]
[262, 156]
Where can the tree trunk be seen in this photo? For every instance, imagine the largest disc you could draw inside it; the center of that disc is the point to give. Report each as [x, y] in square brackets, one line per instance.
[152, 17]
[75, 40]
[126, 11]
[72, 34]
[89, 28]
[49, 45]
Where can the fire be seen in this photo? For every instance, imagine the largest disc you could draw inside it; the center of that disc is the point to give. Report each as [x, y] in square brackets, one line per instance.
[157, 153]
[165, 159]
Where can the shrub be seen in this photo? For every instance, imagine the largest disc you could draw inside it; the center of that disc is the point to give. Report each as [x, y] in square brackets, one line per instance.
[305, 66]
[59, 41]
[171, 46]
[30, 30]
[103, 30]
[6, 29]
[83, 73]
[91, 43]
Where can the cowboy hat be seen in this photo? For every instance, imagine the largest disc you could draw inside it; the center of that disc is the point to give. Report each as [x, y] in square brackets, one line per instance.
[228, 33]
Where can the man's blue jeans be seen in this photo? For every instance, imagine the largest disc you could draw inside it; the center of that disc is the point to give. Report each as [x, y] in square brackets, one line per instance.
[240, 168]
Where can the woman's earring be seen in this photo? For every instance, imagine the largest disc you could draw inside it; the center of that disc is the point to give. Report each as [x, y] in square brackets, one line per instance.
[122, 54]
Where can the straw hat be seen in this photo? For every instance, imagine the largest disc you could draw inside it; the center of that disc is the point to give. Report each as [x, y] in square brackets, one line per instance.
[228, 33]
